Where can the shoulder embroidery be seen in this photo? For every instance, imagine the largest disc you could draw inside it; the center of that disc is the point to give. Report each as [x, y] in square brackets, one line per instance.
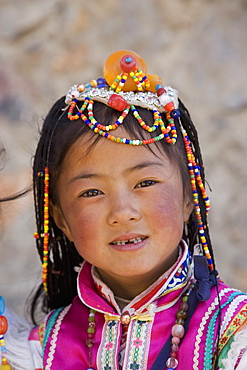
[237, 321]
[53, 325]
[203, 324]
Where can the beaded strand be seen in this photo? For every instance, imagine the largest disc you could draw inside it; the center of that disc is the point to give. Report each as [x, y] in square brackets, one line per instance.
[3, 329]
[102, 130]
[178, 330]
[90, 336]
[195, 178]
[46, 229]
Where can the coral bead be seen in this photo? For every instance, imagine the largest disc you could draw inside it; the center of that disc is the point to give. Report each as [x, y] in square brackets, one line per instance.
[117, 102]
[169, 106]
[3, 325]
[161, 91]
[128, 63]
[112, 68]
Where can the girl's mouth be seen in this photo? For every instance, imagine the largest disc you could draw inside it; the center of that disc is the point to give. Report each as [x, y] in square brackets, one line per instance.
[129, 241]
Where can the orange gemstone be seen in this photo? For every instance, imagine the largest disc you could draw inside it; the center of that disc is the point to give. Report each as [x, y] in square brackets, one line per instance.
[112, 68]
[154, 81]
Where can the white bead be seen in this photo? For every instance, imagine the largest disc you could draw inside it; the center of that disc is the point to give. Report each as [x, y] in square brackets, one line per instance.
[165, 99]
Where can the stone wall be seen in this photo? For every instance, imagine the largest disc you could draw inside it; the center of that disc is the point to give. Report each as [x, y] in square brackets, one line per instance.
[199, 47]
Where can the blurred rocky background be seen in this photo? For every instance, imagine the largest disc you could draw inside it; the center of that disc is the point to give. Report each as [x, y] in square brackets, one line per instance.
[198, 47]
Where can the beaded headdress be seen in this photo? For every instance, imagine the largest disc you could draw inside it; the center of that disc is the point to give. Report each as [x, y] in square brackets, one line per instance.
[125, 86]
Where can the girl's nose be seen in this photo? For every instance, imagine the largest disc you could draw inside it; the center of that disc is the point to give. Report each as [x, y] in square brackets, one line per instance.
[123, 210]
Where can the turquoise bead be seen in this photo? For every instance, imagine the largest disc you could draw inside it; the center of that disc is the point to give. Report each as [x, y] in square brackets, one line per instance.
[2, 305]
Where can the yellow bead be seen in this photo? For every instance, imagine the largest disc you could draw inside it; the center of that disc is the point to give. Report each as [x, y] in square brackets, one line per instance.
[5, 365]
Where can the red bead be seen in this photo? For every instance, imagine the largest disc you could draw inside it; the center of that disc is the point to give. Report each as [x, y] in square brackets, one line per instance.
[161, 91]
[173, 354]
[3, 325]
[128, 63]
[117, 102]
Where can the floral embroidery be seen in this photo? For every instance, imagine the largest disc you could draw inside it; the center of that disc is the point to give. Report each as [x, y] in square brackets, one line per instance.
[233, 327]
[137, 343]
[107, 354]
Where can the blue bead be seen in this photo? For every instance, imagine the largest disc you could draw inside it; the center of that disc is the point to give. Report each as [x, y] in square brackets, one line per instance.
[175, 113]
[101, 81]
[127, 141]
[2, 305]
[159, 86]
[128, 60]
[90, 368]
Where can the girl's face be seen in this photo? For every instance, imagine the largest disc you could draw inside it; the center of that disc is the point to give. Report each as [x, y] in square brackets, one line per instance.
[123, 207]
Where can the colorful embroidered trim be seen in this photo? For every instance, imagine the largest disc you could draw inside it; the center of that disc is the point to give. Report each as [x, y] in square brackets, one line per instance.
[107, 353]
[202, 328]
[210, 344]
[234, 326]
[137, 345]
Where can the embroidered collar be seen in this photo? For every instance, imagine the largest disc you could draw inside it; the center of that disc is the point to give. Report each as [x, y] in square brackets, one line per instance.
[95, 294]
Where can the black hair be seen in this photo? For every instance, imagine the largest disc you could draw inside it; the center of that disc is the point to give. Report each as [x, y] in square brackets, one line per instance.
[57, 136]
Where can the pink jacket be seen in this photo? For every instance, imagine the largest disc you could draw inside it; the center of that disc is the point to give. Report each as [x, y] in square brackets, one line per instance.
[153, 313]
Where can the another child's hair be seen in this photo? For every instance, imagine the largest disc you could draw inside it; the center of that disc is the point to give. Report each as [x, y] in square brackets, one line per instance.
[57, 136]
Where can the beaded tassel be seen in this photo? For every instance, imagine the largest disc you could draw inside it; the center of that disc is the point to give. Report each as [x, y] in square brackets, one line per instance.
[195, 178]
[3, 329]
[46, 229]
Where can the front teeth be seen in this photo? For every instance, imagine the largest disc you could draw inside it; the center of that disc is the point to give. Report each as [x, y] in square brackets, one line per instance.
[123, 242]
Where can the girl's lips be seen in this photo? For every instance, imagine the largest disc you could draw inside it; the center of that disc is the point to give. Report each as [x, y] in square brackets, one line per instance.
[129, 244]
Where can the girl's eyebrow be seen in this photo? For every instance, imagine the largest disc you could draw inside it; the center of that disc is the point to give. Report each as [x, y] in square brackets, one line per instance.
[140, 166]
[137, 167]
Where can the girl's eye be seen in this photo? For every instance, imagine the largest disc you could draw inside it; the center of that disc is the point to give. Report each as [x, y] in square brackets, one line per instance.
[146, 183]
[91, 193]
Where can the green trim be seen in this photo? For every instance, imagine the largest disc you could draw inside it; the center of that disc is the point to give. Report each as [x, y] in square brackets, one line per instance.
[49, 326]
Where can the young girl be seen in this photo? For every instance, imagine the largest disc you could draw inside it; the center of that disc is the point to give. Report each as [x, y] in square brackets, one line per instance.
[129, 279]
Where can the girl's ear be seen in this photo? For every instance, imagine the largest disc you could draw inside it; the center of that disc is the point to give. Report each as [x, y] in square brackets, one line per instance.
[188, 208]
[60, 220]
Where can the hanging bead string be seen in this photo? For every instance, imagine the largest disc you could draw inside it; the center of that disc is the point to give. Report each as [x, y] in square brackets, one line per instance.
[138, 77]
[3, 329]
[46, 229]
[90, 336]
[178, 330]
[195, 178]
[169, 132]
